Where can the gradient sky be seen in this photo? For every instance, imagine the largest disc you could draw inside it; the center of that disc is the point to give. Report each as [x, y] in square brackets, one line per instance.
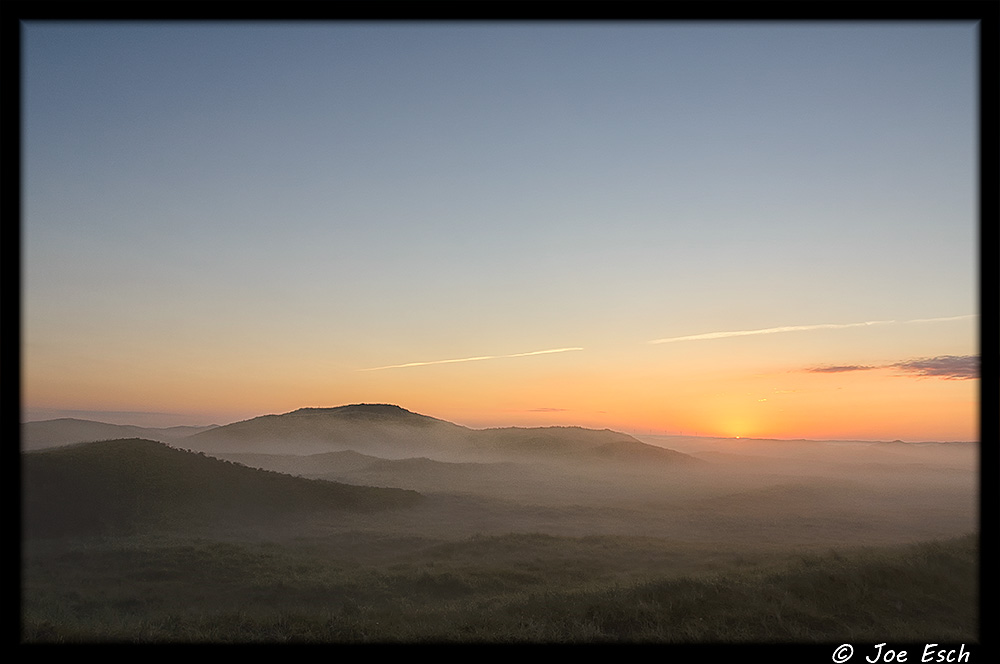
[754, 229]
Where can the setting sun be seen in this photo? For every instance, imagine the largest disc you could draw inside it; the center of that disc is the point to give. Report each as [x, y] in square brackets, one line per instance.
[530, 262]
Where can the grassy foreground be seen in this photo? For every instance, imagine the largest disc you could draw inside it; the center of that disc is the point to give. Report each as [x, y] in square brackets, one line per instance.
[512, 588]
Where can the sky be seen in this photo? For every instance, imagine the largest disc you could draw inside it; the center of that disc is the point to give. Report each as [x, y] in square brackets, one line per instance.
[727, 229]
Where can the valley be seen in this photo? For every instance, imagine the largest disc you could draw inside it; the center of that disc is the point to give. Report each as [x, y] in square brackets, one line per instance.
[371, 523]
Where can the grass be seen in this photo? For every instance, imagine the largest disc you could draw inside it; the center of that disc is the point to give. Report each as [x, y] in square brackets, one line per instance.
[514, 588]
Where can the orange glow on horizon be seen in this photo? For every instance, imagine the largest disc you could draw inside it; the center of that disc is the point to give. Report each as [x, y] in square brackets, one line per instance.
[619, 392]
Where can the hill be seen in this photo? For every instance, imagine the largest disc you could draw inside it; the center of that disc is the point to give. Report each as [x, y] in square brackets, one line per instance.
[304, 464]
[375, 429]
[573, 443]
[391, 432]
[356, 468]
[132, 485]
[68, 430]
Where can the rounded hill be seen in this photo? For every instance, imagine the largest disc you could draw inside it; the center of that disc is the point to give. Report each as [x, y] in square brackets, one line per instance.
[378, 412]
[378, 429]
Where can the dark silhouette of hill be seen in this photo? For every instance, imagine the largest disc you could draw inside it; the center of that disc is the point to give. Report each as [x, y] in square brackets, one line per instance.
[500, 479]
[67, 430]
[376, 429]
[134, 485]
[354, 464]
[391, 432]
[304, 464]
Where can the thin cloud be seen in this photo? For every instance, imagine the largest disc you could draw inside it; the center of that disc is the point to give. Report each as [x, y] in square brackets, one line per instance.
[801, 328]
[769, 330]
[471, 359]
[949, 367]
[840, 369]
[541, 352]
[548, 410]
[940, 320]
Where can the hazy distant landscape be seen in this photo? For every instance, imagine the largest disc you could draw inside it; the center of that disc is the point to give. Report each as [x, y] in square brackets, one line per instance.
[354, 331]
[373, 523]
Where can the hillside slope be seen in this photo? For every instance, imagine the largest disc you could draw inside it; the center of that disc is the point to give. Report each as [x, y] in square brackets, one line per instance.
[133, 485]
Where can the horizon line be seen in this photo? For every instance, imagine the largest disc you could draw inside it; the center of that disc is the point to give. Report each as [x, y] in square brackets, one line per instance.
[628, 430]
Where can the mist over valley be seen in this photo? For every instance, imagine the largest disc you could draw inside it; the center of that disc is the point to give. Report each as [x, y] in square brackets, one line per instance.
[375, 485]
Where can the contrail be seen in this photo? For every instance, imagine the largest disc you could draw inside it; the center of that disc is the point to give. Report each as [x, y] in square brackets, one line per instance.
[935, 320]
[799, 328]
[541, 352]
[769, 330]
[470, 359]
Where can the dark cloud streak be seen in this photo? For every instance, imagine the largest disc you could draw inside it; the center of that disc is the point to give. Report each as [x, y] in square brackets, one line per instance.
[949, 367]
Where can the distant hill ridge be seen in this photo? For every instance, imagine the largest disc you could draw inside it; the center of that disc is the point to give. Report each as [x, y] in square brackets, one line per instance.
[68, 430]
[376, 429]
[391, 432]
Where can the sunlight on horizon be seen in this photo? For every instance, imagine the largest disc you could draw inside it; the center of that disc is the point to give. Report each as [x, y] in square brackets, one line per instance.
[740, 230]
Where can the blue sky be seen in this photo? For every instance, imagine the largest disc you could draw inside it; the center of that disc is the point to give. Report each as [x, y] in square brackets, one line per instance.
[208, 202]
